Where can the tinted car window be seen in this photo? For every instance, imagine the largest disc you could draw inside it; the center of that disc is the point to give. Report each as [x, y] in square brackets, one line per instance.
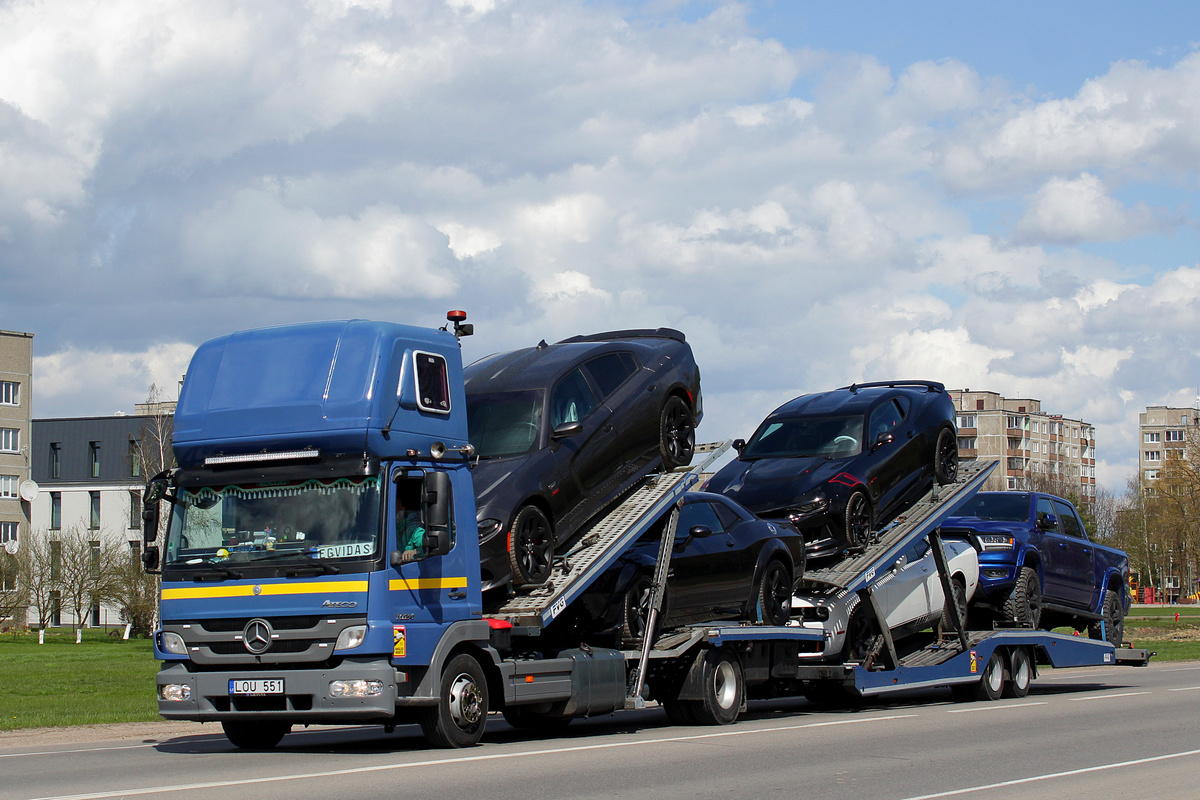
[694, 514]
[504, 423]
[610, 371]
[1002, 507]
[809, 436]
[728, 516]
[884, 418]
[1067, 518]
[1044, 508]
[572, 400]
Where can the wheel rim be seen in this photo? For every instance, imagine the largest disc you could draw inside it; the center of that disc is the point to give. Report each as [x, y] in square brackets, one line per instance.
[948, 454]
[679, 435]
[466, 701]
[995, 675]
[858, 520]
[1021, 672]
[533, 543]
[725, 688]
[777, 596]
[640, 608]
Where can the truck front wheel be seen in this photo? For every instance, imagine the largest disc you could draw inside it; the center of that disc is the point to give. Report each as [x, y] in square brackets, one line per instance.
[255, 735]
[460, 715]
[1024, 605]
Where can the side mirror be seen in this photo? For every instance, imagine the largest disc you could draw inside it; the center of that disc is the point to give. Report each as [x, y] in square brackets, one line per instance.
[882, 439]
[566, 429]
[700, 532]
[739, 444]
[150, 559]
[436, 502]
[155, 490]
[1047, 522]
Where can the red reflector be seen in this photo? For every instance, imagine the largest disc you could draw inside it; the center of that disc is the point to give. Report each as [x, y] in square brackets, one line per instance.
[498, 624]
[529, 678]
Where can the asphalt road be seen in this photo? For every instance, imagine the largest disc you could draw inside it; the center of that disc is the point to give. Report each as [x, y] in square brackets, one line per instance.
[1108, 732]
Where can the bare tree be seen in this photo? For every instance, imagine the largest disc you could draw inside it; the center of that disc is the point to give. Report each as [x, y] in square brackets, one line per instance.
[135, 594]
[38, 571]
[87, 570]
[14, 595]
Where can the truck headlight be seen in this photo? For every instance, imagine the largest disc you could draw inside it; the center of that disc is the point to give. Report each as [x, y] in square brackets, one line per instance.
[996, 541]
[358, 688]
[173, 643]
[351, 638]
[176, 692]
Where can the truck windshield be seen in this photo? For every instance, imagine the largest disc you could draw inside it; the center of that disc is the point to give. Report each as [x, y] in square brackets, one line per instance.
[832, 437]
[504, 423]
[322, 519]
[1001, 506]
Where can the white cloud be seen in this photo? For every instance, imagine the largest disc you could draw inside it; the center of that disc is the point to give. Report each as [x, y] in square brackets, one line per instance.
[1080, 210]
[115, 380]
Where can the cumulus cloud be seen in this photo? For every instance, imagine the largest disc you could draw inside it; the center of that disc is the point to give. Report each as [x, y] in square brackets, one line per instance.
[1080, 210]
[117, 380]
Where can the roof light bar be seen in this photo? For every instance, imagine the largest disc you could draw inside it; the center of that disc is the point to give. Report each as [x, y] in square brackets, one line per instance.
[248, 458]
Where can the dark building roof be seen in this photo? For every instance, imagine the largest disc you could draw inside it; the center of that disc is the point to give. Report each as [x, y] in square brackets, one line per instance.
[75, 437]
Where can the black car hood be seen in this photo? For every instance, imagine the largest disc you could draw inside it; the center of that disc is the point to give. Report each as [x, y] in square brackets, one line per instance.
[766, 484]
[491, 477]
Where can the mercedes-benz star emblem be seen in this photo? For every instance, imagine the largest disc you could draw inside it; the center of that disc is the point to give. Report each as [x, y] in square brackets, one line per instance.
[257, 636]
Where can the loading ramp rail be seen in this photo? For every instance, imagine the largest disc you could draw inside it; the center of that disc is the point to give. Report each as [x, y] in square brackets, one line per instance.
[603, 541]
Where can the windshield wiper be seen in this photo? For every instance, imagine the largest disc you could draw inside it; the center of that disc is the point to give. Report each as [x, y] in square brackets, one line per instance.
[217, 565]
[327, 569]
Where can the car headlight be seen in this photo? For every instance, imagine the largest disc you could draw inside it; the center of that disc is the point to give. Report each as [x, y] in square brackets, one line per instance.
[996, 541]
[351, 637]
[173, 643]
[489, 528]
[807, 508]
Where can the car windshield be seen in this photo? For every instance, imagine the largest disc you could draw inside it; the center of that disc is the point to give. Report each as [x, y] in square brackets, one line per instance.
[1003, 507]
[504, 423]
[323, 519]
[832, 437]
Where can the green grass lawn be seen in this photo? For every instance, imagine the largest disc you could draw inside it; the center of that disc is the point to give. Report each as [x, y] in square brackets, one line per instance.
[61, 683]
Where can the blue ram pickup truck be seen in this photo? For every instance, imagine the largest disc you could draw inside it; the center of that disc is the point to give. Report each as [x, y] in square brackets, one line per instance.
[1037, 566]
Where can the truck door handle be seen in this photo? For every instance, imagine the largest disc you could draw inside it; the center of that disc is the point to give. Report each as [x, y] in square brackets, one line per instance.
[457, 595]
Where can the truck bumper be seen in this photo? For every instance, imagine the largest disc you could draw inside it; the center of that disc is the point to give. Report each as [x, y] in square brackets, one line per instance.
[306, 696]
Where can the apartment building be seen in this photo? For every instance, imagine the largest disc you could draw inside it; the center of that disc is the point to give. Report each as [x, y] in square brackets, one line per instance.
[1037, 450]
[16, 399]
[1161, 430]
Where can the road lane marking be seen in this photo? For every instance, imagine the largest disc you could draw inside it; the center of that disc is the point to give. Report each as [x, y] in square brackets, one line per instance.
[193, 787]
[994, 708]
[1077, 675]
[1048, 776]
[1185, 689]
[72, 752]
[1105, 696]
[1181, 669]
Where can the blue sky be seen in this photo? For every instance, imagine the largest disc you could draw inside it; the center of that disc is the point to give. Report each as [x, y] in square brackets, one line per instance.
[993, 195]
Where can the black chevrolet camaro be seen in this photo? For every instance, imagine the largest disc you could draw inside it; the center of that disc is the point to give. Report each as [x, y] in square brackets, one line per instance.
[561, 430]
[839, 464]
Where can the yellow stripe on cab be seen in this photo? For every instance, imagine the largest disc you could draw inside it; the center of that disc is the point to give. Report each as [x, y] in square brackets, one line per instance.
[412, 584]
[263, 590]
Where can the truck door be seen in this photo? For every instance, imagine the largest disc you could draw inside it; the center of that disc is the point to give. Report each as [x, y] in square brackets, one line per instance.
[1078, 559]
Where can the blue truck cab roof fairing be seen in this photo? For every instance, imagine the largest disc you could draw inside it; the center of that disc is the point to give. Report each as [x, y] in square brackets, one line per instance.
[331, 386]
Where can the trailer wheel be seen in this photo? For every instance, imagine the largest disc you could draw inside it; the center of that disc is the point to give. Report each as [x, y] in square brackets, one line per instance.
[460, 715]
[858, 522]
[255, 735]
[531, 546]
[723, 689]
[676, 433]
[773, 600]
[1024, 605]
[1114, 621]
[1020, 671]
[945, 457]
[991, 685]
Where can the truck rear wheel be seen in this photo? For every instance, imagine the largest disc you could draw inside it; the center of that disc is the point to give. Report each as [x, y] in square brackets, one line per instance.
[991, 685]
[722, 689]
[1024, 605]
[1114, 621]
[460, 715]
[1020, 672]
[255, 735]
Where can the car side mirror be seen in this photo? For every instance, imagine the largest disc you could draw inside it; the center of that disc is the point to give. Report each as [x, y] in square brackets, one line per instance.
[566, 429]
[700, 532]
[1047, 522]
[739, 445]
[882, 439]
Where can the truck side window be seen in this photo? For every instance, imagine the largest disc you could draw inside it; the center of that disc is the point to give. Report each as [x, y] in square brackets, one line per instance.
[572, 400]
[1070, 522]
[410, 524]
[1045, 508]
[433, 385]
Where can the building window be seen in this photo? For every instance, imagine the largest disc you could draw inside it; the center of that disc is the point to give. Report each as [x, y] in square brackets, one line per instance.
[56, 561]
[55, 458]
[94, 458]
[1174, 436]
[966, 442]
[1154, 455]
[979, 404]
[55, 510]
[10, 440]
[94, 563]
[94, 521]
[1012, 484]
[966, 420]
[135, 463]
[1151, 474]
[1152, 436]
[135, 551]
[10, 393]
[56, 606]
[1014, 422]
[8, 532]
[8, 486]
[135, 510]
[8, 578]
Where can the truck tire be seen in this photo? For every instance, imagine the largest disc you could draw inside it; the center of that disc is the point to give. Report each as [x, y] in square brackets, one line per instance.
[772, 603]
[461, 712]
[676, 433]
[1114, 621]
[958, 597]
[1024, 604]
[945, 457]
[1020, 673]
[858, 521]
[256, 734]
[723, 689]
[991, 684]
[530, 546]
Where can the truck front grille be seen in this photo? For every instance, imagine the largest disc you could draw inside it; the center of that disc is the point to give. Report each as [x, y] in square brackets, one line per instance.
[292, 640]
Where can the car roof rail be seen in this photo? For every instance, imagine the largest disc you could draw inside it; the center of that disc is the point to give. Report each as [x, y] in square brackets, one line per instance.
[633, 333]
[932, 386]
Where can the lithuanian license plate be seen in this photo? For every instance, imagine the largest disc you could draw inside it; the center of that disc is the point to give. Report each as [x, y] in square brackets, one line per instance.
[256, 686]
